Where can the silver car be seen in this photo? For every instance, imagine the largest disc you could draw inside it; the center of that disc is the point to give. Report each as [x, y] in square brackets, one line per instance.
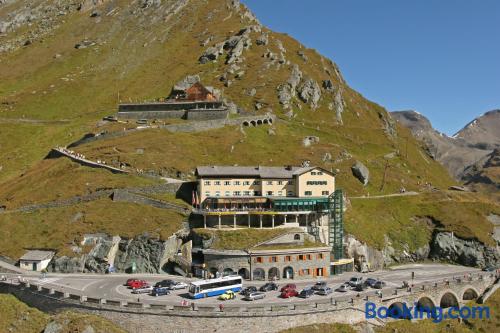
[324, 291]
[255, 296]
[178, 285]
[143, 290]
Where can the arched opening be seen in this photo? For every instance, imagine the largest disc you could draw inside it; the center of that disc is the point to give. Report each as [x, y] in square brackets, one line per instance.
[288, 273]
[244, 273]
[245, 123]
[228, 271]
[273, 273]
[426, 305]
[270, 120]
[212, 271]
[266, 121]
[259, 122]
[296, 237]
[470, 294]
[253, 123]
[259, 274]
[448, 300]
[396, 311]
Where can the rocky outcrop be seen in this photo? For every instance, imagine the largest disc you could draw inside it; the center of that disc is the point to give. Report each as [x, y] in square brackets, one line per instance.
[310, 92]
[365, 257]
[445, 246]
[288, 90]
[360, 171]
[234, 45]
[309, 140]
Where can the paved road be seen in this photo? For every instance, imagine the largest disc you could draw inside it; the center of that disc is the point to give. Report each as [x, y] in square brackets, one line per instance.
[112, 286]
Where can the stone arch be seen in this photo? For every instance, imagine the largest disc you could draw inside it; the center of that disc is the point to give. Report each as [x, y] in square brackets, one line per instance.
[270, 120]
[213, 270]
[425, 304]
[227, 271]
[273, 273]
[259, 121]
[259, 274]
[288, 272]
[469, 294]
[396, 311]
[244, 273]
[265, 121]
[296, 237]
[246, 123]
[448, 299]
[253, 123]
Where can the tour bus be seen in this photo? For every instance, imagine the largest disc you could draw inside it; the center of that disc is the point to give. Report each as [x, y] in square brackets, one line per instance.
[214, 287]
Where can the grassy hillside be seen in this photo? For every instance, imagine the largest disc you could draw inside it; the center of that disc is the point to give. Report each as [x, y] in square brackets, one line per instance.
[138, 54]
[61, 228]
[17, 317]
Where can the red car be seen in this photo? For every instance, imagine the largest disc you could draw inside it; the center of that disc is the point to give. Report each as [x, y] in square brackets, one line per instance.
[288, 286]
[137, 284]
[287, 293]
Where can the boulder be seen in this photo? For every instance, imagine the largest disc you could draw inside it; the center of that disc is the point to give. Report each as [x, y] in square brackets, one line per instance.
[186, 82]
[308, 140]
[328, 85]
[212, 53]
[361, 172]
[262, 40]
[53, 327]
[364, 255]
[310, 92]
[303, 56]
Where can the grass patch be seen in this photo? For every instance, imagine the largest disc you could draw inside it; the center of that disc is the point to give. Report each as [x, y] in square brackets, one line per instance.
[60, 228]
[18, 317]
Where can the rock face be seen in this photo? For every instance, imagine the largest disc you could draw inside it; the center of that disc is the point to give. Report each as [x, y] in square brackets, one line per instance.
[465, 155]
[364, 256]
[187, 82]
[447, 247]
[310, 92]
[360, 171]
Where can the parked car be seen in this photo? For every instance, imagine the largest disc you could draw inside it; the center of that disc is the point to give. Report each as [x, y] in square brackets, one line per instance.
[379, 284]
[178, 285]
[138, 284]
[306, 293]
[229, 294]
[288, 286]
[143, 290]
[269, 286]
[360, 286]
[324, 291]
[287, 293]
[165, 284]
[319, 285]
[130, 281]
[248, 290]
[343, 288]
[489, 269]
[370, 282]
[355, 280]
[254, 296]
[160, 291]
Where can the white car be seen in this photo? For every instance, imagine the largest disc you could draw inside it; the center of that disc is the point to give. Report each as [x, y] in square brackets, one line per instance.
[143, 290]
[178, 285]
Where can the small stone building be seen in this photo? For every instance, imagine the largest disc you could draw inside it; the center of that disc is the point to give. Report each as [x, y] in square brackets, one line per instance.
[36, 260]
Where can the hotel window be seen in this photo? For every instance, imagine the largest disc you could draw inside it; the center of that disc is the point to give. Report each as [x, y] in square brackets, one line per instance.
[302, 257]
[273, 259]
[308, 193]
[207, 193]
[236, 182]
[227, 194]
[258, 259]
[246, 182]
[269, 182]
[280, 193]
[237, 193]
[288, 258]
[290, 182]
[217, 193]
[325, 193]
[217, 182]
[289, 194]
[270, 192]
[257, 193]
[246, 193]
[309, 257]
[256, 182]
[313, 173]
[305, 271]
[227, 182]
[319, 173]
[320, 255]
[280, 182]
[207, 182]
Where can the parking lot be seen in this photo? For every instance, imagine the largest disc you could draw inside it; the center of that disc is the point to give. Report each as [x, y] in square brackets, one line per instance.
[113, 286]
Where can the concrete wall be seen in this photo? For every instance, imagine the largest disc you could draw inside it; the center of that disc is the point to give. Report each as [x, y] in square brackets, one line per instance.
[206, 114]
[40, 264]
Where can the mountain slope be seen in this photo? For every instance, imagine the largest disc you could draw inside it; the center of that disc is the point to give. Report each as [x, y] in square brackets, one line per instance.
[90, 57]
[467, 152]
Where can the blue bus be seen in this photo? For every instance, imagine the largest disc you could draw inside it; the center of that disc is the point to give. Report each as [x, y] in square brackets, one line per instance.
[214, 287]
